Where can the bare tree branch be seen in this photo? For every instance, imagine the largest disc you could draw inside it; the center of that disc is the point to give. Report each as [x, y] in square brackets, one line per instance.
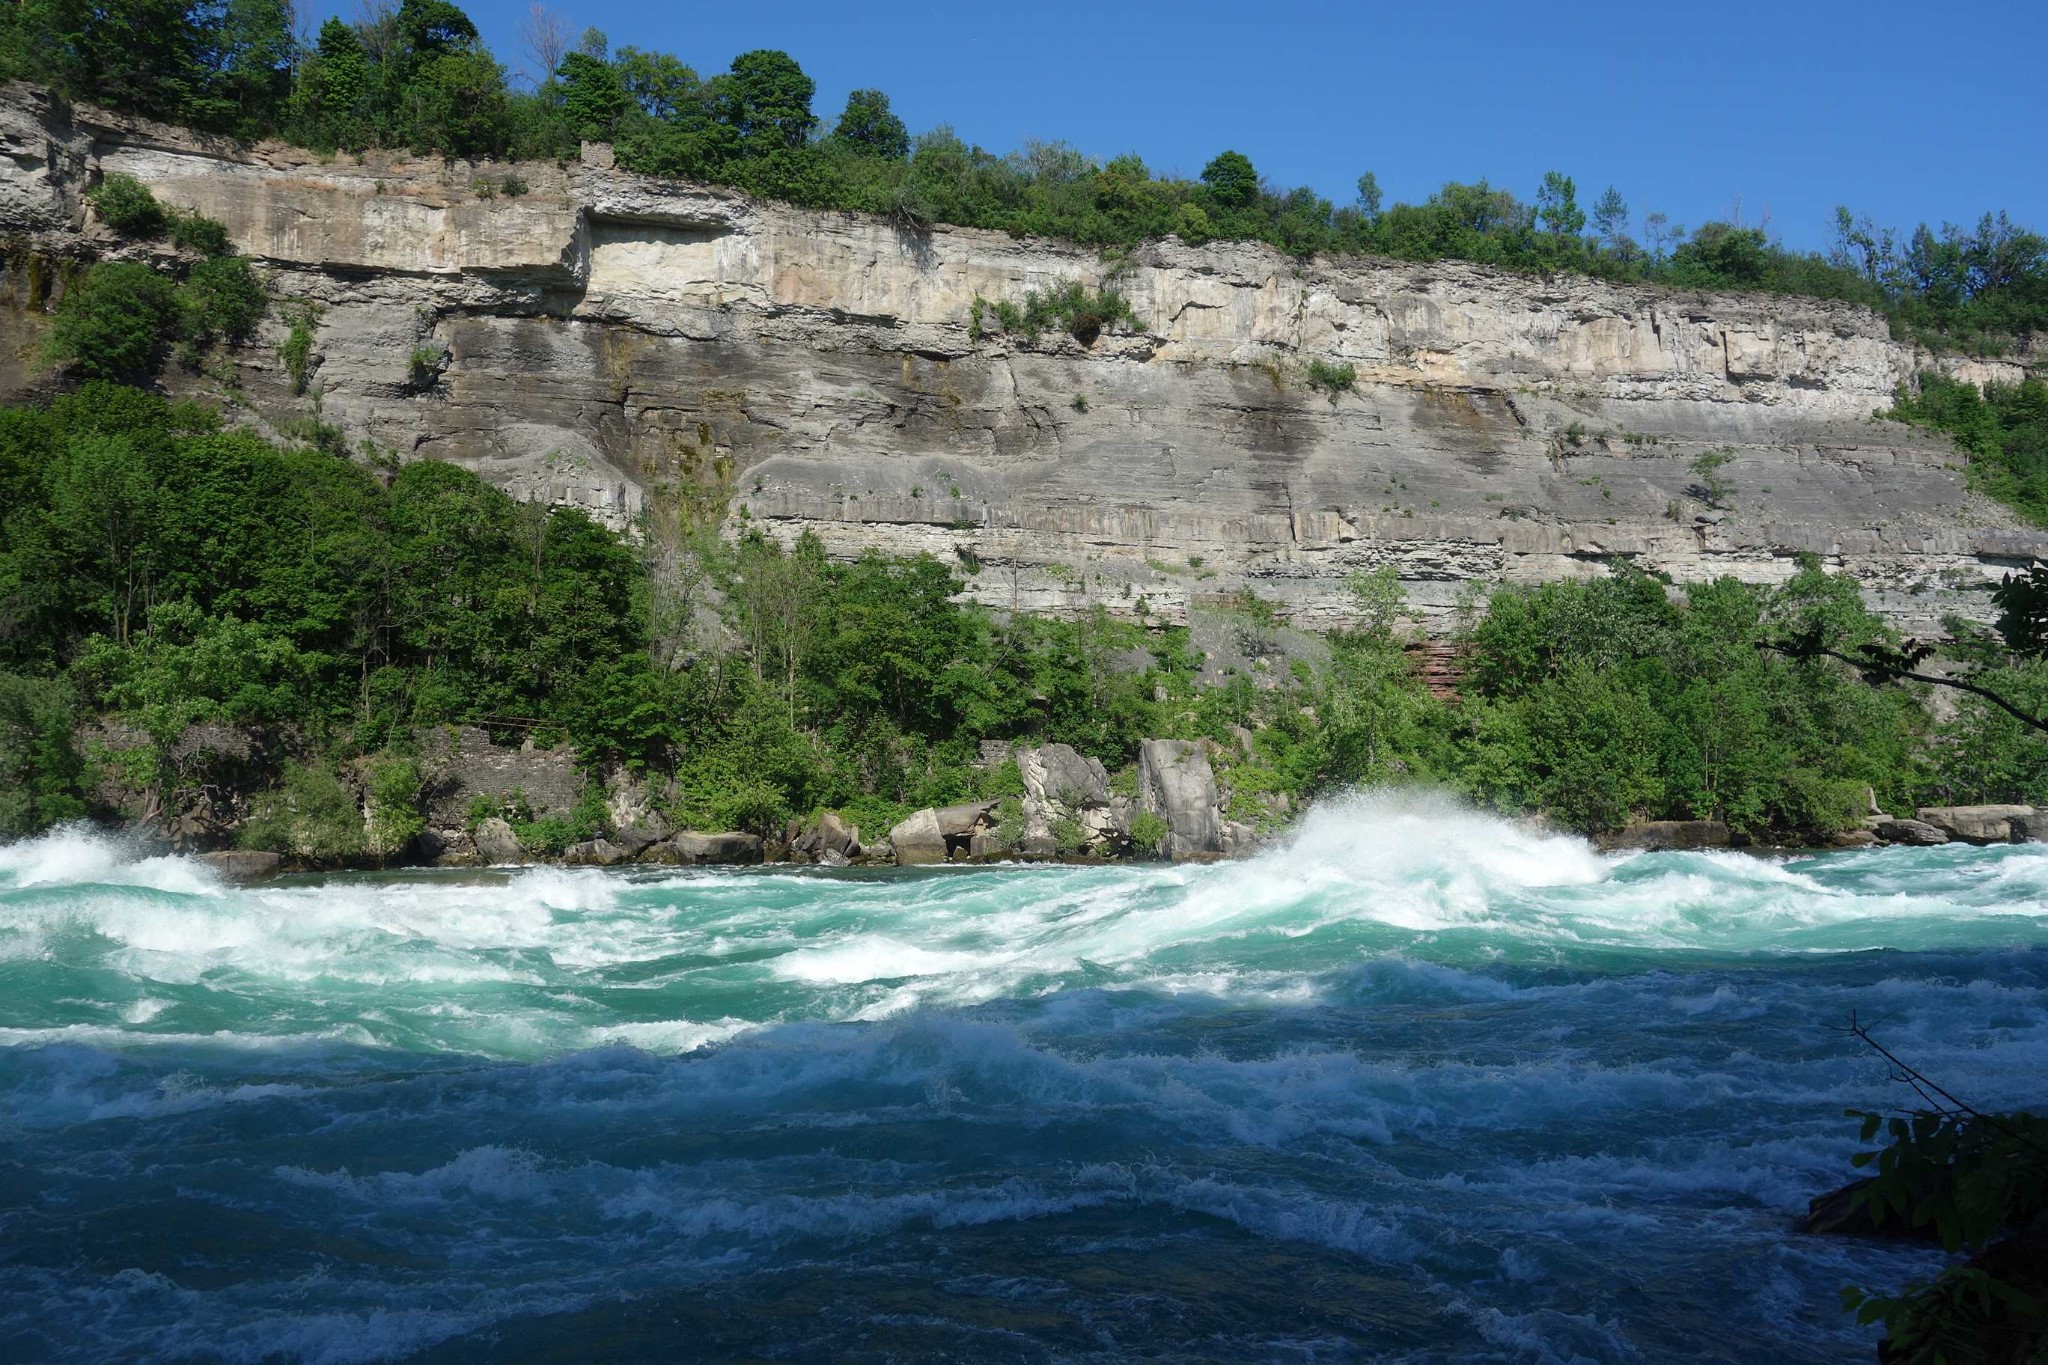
[544, 37]
[1937, 1099]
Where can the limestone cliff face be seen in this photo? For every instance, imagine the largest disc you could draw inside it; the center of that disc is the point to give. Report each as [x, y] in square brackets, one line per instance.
[628, 344]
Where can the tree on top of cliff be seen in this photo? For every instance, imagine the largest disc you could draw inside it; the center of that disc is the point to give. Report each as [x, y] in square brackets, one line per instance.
[1557, 204]
[1231, 180]
[661, 87]
[765, 99]
[151, 56]
[433, 27]
[329, 104]
[869, 127]
[594, 96]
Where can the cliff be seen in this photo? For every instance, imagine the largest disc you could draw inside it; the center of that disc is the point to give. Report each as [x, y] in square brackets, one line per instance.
[636, 347]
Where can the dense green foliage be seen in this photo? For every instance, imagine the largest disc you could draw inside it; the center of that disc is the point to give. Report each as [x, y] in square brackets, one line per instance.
[2004, 429]
[119, 318]
[184, 572]
[160, 567]
[1601, 698]
[113, 322]
[1332, 379]
[40, 769]
[1964, 1178]
[418, 76]
[126, 205]
[1071, 307]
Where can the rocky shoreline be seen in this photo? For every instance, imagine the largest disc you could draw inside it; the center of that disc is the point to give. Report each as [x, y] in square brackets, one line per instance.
[1927, 827]
[1173, 805]
[968, 833]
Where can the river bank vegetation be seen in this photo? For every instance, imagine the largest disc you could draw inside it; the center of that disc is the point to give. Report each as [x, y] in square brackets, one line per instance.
[158, 567]
[418, 76]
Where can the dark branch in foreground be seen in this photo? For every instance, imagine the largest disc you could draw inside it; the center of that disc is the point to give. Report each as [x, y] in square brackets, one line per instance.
[1880, 664]
[1937, 1099]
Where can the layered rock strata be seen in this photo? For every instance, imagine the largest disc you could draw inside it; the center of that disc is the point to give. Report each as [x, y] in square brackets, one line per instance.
[659, 352]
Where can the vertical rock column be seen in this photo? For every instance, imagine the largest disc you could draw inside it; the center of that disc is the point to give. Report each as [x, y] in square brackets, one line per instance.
[1176, 784]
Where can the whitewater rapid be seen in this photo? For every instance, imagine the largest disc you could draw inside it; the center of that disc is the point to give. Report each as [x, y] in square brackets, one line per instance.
[528, 963]
[1502, 1096]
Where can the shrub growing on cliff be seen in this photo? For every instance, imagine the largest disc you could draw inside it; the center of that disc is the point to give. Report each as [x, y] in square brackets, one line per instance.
[1715, 486]
[423, 368]
[126, 205]
[192, 232]
[1332, 379]
[115, 322]
[297, 350]
[1073, 307]
[2003, 427]
[221, 299]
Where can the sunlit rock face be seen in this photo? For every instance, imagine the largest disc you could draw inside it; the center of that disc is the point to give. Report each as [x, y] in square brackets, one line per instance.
[650, 350]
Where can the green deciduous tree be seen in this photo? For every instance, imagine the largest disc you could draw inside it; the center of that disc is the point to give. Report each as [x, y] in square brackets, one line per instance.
[114, 323]
[765, 101]
[1232, 182]
[1557, 205]
[330, 103]
[1610, 216]
[593, 95]
[41, 774]
[870, 127]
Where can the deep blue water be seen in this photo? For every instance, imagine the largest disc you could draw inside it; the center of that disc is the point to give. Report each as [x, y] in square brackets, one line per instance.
[1419, 1086]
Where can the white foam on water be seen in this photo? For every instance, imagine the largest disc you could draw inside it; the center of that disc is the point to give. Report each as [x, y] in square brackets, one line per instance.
[671, 1035]
[875, 957]
[1359, 879]
[1232, 1065]
[78, 855]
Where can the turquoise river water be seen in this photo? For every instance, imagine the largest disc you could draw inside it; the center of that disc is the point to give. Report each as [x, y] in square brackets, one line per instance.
[1417, 1086]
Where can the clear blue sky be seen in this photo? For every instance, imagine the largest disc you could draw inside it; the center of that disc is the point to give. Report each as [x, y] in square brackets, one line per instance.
[1903, 111]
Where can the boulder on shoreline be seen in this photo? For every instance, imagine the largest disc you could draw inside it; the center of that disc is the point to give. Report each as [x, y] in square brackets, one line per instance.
[243, 866]
[447, 848]
[1915, 832]
[1064, 786]
[1176, 784]
[933, 835]
[692, 849]
[496, 843]
[1979, 824]
[596, 853]
[917, 840]
[829, 840]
